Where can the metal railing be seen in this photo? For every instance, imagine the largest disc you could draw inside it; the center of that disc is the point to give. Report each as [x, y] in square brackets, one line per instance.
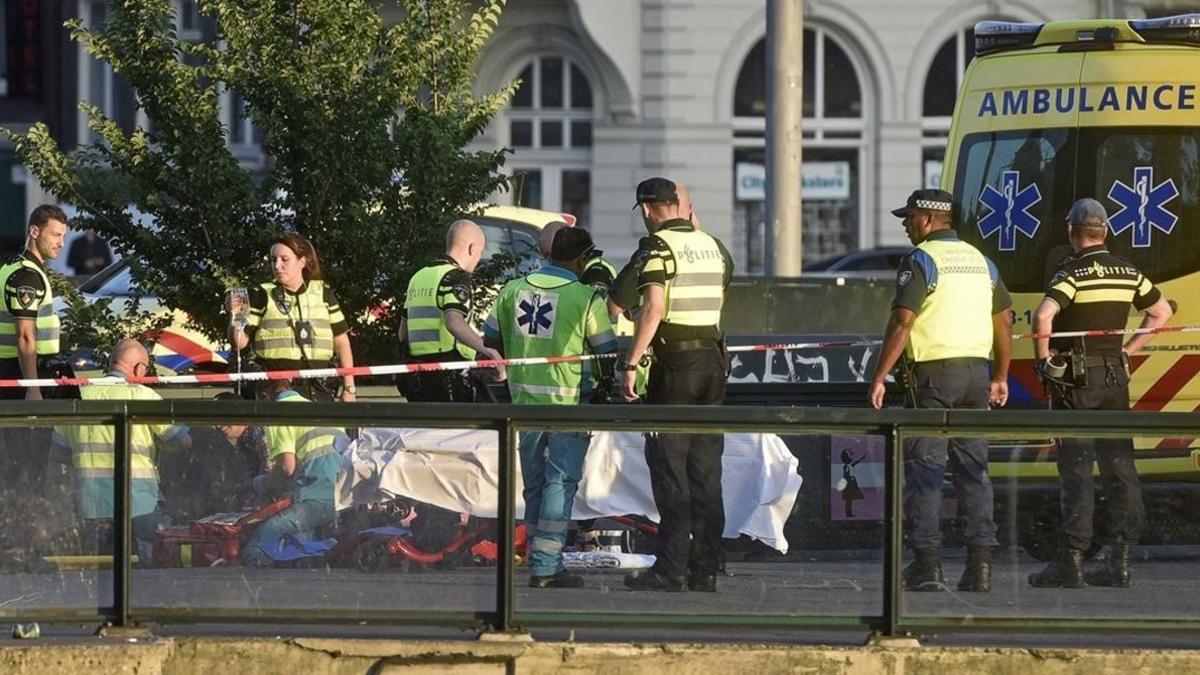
[894, 425]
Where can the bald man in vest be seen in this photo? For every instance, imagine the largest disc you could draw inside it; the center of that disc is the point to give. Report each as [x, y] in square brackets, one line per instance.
[436, 326]
[93, 456]
[949, 315]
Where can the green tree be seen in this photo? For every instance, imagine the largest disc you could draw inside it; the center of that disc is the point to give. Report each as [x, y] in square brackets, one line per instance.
[365, 126]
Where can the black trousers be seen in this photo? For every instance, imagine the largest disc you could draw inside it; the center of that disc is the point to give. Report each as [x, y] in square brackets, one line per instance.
[437, 387]
[1107, 389]
[685, 469]
[949, 383]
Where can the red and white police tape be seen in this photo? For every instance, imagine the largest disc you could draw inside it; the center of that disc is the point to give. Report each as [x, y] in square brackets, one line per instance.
[397, 369]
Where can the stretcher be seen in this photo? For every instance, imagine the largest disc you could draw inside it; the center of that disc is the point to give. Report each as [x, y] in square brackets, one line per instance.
[459, 470]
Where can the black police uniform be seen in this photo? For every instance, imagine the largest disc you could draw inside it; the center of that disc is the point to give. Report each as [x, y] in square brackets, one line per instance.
[689, 368]
[456, 293]
[1094, 290]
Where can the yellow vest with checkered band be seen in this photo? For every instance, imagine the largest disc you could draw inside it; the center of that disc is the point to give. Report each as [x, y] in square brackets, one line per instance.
[275, 337]
[47, 319]
[427, 332]
[955, 319]
[695, 294]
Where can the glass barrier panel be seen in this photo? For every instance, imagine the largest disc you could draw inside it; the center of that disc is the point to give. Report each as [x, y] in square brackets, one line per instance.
[801, 536]
[317, 518]
[56, 505]
[1085, 527]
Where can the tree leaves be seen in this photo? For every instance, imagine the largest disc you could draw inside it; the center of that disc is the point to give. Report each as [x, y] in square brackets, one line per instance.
[364, 125]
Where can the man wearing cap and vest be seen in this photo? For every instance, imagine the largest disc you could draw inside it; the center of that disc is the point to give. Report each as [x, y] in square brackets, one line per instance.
[305, 463]
[551, 313]
[1094, 290]
[436, 324]
[949, 315]
[682, 279]
[93, 456]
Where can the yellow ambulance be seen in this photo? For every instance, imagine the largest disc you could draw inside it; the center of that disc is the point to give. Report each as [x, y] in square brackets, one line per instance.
[1109, 109]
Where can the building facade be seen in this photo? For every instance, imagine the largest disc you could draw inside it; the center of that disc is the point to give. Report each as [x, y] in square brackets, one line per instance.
[614, 91]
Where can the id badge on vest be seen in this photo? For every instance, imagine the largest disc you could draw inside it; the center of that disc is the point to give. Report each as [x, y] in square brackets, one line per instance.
[304, 333]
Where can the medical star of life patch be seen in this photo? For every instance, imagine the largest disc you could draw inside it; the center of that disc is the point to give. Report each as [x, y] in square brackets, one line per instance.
[535, 314]
[26, 295]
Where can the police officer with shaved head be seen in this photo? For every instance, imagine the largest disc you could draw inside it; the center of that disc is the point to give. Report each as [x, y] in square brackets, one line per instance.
[436, 323]
[1093, 290]
[949, 315]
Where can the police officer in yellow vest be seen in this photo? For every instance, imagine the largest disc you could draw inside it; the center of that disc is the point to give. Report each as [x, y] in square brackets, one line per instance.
[437, 313]
[949, 315]
[552, 313]
[29, 328]
[29, 335]
[92, 456]
[296, 322]
[682, 279]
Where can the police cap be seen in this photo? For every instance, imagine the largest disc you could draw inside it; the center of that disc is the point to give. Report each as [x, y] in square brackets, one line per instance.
[656, 190]
[1087, 212]
[927, 200]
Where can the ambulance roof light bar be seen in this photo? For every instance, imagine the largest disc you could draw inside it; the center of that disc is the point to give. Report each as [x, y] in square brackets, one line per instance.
[1183, 28]
[997, 36]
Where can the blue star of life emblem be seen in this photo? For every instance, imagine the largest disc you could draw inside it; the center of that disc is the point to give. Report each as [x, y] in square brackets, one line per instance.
[536, 315]
[1009, 210]
[1142, 206]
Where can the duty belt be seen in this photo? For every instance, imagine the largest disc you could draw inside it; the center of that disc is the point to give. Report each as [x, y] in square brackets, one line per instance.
[685, 345]
[1098, 360]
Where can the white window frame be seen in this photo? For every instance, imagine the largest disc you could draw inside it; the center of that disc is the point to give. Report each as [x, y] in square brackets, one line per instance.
[750, 132]
[551, 161]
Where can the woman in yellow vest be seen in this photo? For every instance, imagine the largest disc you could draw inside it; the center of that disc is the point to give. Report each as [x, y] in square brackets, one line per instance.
[295, 321]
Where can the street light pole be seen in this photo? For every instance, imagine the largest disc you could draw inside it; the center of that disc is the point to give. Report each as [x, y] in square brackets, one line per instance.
[785, 114]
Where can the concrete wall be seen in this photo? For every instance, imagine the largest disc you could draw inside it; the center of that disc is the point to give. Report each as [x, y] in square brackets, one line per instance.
[320, 656]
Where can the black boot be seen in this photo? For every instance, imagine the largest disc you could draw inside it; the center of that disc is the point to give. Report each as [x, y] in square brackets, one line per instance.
[1064, 572]
[977, 577]
[1115, 571]
[924, 573]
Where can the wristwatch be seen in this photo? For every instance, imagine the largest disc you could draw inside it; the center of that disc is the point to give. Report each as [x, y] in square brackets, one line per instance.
[350, 390]
[625, 366]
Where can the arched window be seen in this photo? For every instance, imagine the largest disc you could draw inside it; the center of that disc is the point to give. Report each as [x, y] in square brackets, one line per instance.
[549, 126]
[942, 82]
[834, 147]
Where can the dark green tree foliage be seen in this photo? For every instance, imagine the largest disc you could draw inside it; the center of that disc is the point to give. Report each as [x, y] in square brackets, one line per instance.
[365, 126]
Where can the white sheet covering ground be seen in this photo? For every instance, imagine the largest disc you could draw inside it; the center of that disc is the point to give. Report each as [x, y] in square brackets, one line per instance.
[458, 470]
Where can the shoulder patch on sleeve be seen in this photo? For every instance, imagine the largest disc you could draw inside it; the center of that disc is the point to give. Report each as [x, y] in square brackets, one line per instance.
[26, 296]
[462, 292]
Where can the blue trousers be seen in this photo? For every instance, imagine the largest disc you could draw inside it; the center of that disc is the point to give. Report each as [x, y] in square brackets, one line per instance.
[952, 383]
[301, 519]
[551, 466]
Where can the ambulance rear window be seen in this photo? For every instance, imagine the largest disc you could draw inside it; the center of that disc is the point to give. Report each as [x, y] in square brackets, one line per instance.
[1015, 189]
